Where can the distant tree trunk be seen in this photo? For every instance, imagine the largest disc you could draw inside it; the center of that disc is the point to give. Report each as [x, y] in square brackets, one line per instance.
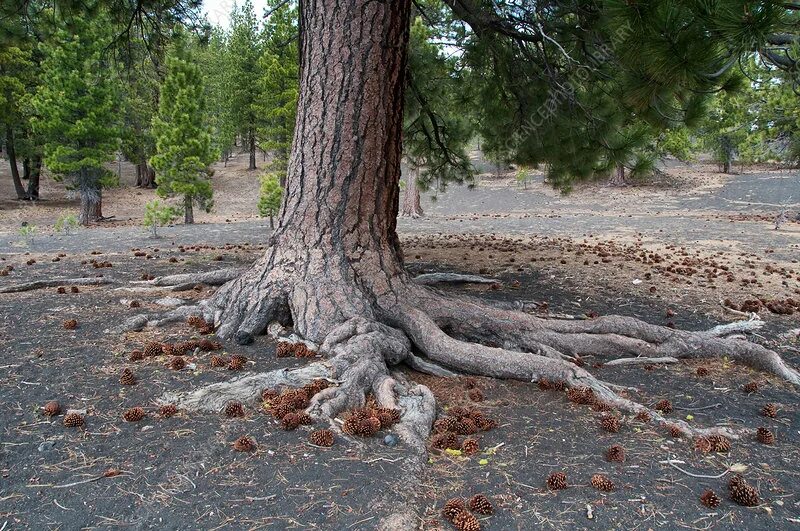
[411, 204]
[35, 168]
[145, 176]
[726, 146]
[91, 206]
[188, 212]
[618, 176]
[12, 160]
[252, 152]
[271, 221]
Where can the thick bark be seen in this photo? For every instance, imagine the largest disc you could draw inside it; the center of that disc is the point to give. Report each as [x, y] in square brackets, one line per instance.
[12, 160]
[188, 210]
[252, 151]
[411, 199]
[618, 176]
[91, 206]
[145, 176]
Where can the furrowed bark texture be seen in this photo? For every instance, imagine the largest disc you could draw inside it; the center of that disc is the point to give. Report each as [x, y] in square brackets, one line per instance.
[411, 198]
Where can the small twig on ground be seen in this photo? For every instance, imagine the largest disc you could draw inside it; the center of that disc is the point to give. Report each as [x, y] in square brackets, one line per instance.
[671, 462]
[712, 406]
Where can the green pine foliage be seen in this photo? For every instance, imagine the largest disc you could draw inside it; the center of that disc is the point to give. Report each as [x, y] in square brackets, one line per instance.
[218, 80]
[183, 139]
[278, 84]
[269, 202]
[158, 214]
[76, 113]
[244, 50]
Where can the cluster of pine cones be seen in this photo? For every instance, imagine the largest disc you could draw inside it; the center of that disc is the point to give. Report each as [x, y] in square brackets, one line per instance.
[200, 324]
[321, 438]
[369, 420]
[287, 407]
[712, 443]
[457, 511]
[460, 421]
[287, 349]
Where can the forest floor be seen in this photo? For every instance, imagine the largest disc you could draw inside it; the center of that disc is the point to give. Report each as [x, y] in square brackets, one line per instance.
[661, 254]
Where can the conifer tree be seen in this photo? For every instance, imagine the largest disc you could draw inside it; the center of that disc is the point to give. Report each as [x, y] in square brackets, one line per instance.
[76, 109]
[15, 66]
[217, 78]
[243, 54]
[183, 138]
[276, 103]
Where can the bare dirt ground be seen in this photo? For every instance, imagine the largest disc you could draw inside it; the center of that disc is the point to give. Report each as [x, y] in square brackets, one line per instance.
[666, 254]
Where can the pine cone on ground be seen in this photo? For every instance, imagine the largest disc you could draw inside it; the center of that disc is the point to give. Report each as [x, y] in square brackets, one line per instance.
[302, 351]
[234, 409]
[458, 412]
[610, 423]
[134, 414]
[70, 324]
[74, 289]
[602, 406]
[153, 348]
[580, 395]
[703, 445]
[136, 355]
[177, 363]
[135, 304]
[466, 521]
[470, 447]
[664, 406]
[750, 387]
[443, 441]
[476, 395]
[321, 438]
[770, 410]
[206, 345]
[185, 347]
[557, 481]
[168, 410]
[719, 443]
[51, 409]
[643, 416]
[601, 482]
[168, 349]
[445, 424]
[316, 386]
[73, 420]
[741, 492]
[127, 377]
[280, 410]
[61, 290]
[206, 330]
[268, 395]
[290, 421]
[709, 499]
[765, 436]
[675, 431]
[284, 349]
[237, 362]
[195, 321]
[452, 508]
[480, 504]
[616, 454]
[244, 444]
[702, 372]
[219, 361]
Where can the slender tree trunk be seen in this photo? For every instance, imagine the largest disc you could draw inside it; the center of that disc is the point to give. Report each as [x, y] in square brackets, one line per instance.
[411, 197]
[26, 168]
[618, 176]
[35, 176]
[252, 151]
[12, 160]
[91, 207]
[145, 176]
[188, 211]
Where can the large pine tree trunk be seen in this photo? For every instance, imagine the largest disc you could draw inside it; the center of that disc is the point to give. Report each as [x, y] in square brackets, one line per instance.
[411, 198]
[91, 206]
[12, 160]
[145, 176]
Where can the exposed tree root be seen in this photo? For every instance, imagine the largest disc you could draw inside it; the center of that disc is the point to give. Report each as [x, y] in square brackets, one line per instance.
[185, 281]
[640, 361]
[431, 279]
[52, 283]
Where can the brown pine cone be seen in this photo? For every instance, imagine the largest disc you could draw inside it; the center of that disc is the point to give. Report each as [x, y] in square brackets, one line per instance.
[302, 351]
[765, 436]
[244, 444]
[61, 290]
[709, 499]
[177, 363]
[675, 431]
[127, 377]
[74, 289]
[237, 362]
[719, 443]
[770, 410]
[480, 504]
[268, 395]
[51, 409]
[219, 361]
[643, 416]
[557, 481]
[466, 521]
[470, 447]
[136, 355]
[206, 345]
[458, 412]
[196, 321]
[234, 409]
[321, 438]
[750, 387]
[664, 406]
[134, 414]
[445, 424]
[610, 423]
[284, 349]
[153, 348]
[476, 395]
[443, 441]
[616, 454]
[486, 424]
[168, 349]
[452, 508]
[580, 395]
[70, 324]
[601, 482]
[703, 445]
[280, 410]
[290, 421]
[742, 493]
[73, 420]
[702, 372]
[168, 410]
